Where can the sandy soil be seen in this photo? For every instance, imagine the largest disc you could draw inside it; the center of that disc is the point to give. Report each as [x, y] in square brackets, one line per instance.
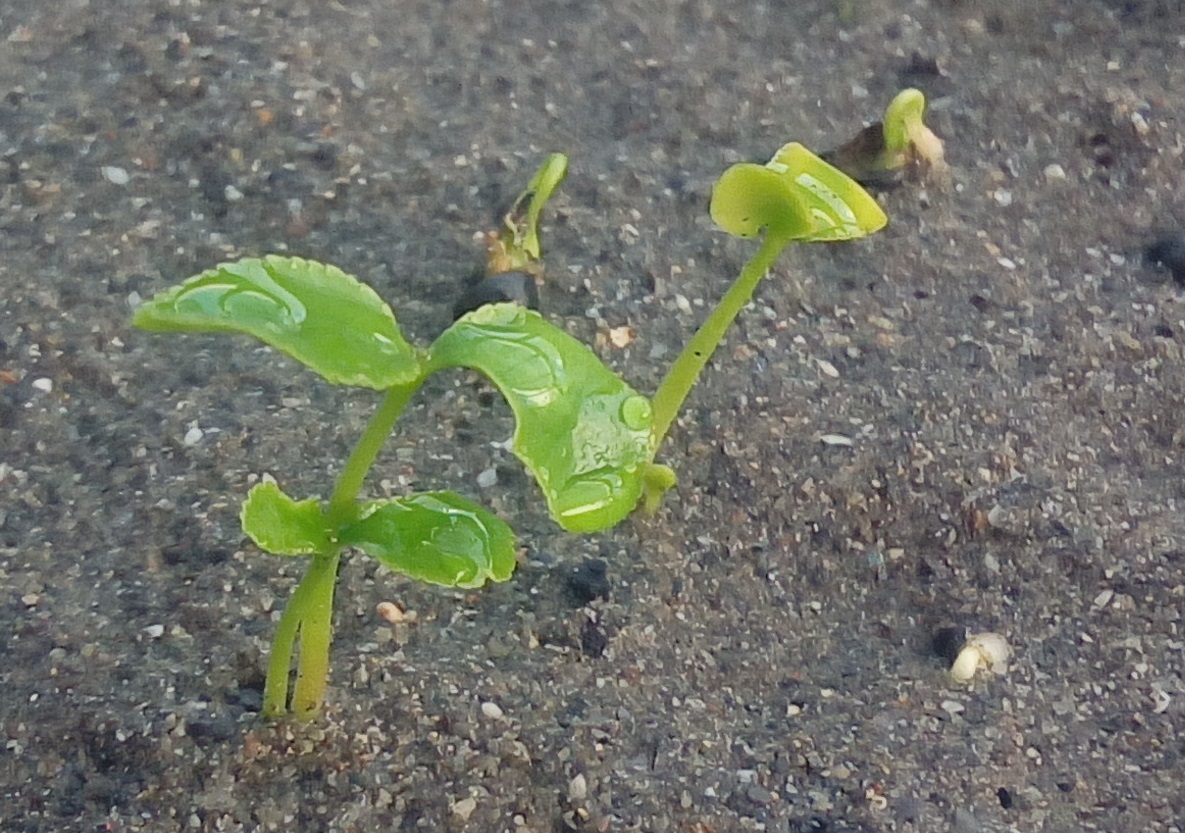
[1007, 369]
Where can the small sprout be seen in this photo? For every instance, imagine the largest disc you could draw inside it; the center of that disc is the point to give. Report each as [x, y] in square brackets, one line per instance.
[795, 197]
[988, 651]
[879, 152]
[517, 247]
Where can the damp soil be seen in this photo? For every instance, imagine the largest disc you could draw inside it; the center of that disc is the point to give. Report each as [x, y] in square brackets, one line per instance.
[971, 420]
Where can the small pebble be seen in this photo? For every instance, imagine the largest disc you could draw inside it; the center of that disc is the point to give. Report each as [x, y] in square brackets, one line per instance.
[114, 175]
[193, 436]
[491, 710]
[44, 385]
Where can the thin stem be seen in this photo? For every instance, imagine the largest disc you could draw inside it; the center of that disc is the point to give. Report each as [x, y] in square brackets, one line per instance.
[681, 377]
[309, 614]
[316, 634]
[349, 482]
[293, 623]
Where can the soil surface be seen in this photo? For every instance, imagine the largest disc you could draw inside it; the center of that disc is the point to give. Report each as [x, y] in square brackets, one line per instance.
[971, 420]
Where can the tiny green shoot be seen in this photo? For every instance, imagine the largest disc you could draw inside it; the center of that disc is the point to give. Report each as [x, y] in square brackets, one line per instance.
[901, 142]
[517, 247]
[582, 432]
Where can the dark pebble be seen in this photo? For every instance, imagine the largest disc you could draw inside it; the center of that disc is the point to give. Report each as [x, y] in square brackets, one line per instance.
[594, 641]
[514, 287]
[1169, 252]
[589, 581]
[947, 642]
[214, 727]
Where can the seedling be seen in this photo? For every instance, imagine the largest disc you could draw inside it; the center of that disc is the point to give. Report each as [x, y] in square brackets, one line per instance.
[582, 432]
[795, 197]
[588, 438]
[902, 141]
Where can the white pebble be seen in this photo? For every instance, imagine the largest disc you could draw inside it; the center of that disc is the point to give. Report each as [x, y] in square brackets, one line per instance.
[116, 176]
[1055, 171]
[487, 478]
[155, 631]
[193, 436]
[491, 710]
[44, 385]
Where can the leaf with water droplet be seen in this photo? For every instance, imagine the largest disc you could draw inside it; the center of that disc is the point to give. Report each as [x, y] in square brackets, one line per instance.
[283, 526]
[438, 537]
[796, 196]
[316, 313]
[582, 431]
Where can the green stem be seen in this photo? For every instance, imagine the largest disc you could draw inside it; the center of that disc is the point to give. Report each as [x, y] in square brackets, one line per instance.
[309, 614]
[349, 482]
[680, 379]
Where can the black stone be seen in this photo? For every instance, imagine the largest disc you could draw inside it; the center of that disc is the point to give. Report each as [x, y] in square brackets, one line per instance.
[1169, 252]
[948, 642]
[589, 581]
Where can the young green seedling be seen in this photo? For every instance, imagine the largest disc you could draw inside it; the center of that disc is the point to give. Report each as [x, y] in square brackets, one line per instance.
[795, 197]
[582, 432]
[902, 141]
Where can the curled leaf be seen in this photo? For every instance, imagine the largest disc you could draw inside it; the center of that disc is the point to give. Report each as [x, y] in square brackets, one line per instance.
[796, 196]
[581, 431]
[316, 313]
[437, 537]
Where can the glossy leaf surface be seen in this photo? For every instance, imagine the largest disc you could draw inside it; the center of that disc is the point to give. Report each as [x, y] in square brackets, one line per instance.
[438, 537]
[316, 313]
[796, 196]
[283, 526]
[582, 431]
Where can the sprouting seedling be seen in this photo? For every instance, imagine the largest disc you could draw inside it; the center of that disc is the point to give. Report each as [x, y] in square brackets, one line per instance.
[517, 247]
[879, 152]
[795, 197]
[581, 431]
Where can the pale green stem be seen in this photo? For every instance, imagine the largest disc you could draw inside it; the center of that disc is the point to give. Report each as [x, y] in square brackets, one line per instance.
[309, 614]
[680, 379]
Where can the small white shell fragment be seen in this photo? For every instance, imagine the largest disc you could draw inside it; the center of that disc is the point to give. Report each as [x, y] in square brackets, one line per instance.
[193, 436]
[45, 385]
[491, 710]
[989, 651]
[155, 631]
[835, 439]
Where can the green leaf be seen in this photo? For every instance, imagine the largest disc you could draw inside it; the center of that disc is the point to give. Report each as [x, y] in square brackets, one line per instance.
[796, 196]
[283, 526]
[582, 431]
[314, 312]
[438, 537]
